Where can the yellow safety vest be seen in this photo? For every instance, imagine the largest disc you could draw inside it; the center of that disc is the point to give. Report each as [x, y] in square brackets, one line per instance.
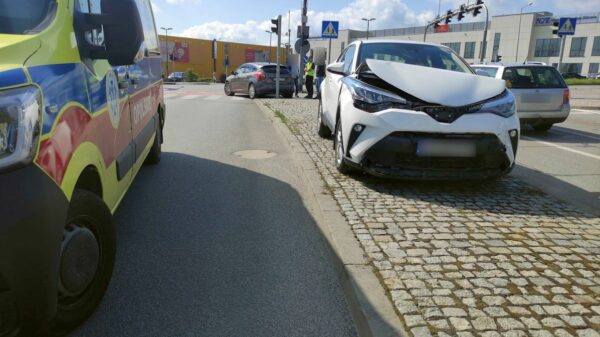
[311, 70]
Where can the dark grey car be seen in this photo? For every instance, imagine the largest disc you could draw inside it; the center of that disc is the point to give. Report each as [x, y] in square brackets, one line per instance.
[258, 79]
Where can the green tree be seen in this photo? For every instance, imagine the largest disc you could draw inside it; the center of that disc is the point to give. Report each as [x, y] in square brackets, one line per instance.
[190, 75]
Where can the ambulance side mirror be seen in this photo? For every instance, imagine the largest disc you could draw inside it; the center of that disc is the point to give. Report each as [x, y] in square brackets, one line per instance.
[115, 35]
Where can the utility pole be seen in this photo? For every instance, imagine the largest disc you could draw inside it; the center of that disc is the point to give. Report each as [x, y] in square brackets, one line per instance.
[519, 33]
[563, 39]
[485, 31]
[270, 43]
[167, 44]
[368, 22]
[278, 74]
[304, 20]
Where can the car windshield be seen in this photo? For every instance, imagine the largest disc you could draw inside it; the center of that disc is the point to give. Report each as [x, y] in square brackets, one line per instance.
[490, 71]
[23, 16]
[416, 54]
[533, 77]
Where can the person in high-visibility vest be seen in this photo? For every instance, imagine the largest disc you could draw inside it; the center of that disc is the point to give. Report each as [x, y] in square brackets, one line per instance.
[309, 73]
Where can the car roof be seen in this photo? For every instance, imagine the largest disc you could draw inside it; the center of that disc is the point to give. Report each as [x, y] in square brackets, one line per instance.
[371, 41]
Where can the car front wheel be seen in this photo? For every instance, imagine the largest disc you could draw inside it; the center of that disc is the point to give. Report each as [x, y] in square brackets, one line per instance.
[228, 90]
[340, 161]
[322, 129]
[87, 258]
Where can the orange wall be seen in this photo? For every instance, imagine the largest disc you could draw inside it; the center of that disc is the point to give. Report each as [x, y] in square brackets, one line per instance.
[200, 56]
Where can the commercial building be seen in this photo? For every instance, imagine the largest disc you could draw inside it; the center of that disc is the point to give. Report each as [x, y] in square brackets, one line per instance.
[535, 41]
[196, 54]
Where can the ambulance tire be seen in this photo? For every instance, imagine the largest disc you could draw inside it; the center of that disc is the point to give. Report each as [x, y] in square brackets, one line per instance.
[156, 150]
[87, 211]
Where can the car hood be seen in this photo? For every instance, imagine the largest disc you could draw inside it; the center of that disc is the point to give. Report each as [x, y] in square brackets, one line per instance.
[16, 49]
[437, 86]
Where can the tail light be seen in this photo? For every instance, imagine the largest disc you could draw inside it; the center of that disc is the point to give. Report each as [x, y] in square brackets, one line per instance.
[260, 75]
[566, 96]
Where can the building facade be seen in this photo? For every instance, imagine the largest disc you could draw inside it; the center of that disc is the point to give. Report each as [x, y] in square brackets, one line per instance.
[535, 41]
[196, 54]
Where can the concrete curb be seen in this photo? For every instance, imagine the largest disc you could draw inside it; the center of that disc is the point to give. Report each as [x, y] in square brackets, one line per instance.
[371, 309]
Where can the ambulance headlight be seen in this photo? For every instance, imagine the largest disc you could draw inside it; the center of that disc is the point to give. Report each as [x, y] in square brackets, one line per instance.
[20, 115]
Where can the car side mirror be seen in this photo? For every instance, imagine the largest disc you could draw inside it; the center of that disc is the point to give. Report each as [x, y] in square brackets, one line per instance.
[482, 73]
[234, 73]
[121, 26]
[336, 68]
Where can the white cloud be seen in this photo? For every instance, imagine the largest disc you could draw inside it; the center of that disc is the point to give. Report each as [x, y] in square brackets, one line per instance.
[577, 6]
[155, 8]
[389, 13]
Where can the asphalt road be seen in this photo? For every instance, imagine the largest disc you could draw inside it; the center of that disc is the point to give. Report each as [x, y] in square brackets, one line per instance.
[211, 244]
[565, 161]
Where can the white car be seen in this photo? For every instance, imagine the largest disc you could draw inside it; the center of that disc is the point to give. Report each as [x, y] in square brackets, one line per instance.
[416, 110]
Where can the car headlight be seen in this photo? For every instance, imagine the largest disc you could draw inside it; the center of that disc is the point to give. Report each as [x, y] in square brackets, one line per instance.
[20, 114]
[504, 105]
[372, 99]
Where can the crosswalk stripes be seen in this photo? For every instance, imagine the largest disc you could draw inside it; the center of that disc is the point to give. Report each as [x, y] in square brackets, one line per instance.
[206, 98]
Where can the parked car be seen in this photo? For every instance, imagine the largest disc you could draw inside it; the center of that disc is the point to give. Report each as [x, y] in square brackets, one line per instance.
[542, 94]
[416, 110]
[75, 129]
[594, 76]
[258, 79]
[177, 76]
[572, 75]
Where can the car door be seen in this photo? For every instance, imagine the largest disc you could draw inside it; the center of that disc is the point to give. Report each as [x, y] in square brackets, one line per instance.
[235, 80]
[247, 78]
[144, 91]
[108, 94]
[334, 84]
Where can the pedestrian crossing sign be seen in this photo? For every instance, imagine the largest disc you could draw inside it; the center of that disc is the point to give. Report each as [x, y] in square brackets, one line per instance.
[330, 29]
[566, 26]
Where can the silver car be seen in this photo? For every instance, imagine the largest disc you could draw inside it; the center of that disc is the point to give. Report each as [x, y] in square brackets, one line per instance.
[542, 94]
[259, 79]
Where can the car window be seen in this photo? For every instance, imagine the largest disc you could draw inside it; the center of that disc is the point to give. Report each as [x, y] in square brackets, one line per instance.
[415, 54]
[492, 72]
[23, 16]
[341, 57]
[150, 35]
[283, 70]
[250, 68]
[533, 77]
[348, 58]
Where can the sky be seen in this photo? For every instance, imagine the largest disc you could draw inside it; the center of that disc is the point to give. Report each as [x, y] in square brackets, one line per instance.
[247, 20]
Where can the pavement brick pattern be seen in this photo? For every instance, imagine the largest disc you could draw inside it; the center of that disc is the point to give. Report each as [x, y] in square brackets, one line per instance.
[496, 259]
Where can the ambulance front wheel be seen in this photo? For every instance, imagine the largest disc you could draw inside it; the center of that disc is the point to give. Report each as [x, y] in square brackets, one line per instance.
[87, 259]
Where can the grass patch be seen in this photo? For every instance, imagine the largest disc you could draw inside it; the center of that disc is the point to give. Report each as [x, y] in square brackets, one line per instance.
[582, 81]
[281, 116]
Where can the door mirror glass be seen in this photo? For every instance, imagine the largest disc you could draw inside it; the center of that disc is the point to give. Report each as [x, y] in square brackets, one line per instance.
[336, 68]
[115, 34]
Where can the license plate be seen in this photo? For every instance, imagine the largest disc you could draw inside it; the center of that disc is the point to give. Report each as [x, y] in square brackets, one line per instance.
[446, 148]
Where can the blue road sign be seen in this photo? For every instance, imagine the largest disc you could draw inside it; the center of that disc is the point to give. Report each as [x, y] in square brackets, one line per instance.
[330, 29]
[566, 26]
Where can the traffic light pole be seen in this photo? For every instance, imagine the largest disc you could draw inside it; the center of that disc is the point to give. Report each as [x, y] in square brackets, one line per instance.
[277, 76]
[304, 19]
[484, 44]
[562, 53]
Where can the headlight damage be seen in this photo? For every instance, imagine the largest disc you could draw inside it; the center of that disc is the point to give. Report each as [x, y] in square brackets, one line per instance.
[372, 99]
[20, 114]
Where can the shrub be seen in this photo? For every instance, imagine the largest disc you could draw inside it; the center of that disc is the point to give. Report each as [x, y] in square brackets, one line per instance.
[190, 75]
[582, 81]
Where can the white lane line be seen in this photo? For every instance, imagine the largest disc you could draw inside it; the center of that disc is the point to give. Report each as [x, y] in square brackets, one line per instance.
[575, 133]
[562, 147]
[585, 112]
[212, 98]
[190, 96]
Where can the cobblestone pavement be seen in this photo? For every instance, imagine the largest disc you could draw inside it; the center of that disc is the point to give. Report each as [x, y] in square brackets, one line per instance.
[501, 259]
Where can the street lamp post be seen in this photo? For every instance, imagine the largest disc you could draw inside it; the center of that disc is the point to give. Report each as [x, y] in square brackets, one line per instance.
[167, 44]
[519, 33]
[368, 22]
[270, 43]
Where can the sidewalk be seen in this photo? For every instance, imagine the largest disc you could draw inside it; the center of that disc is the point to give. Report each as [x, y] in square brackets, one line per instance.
[585, 96]
[501, 259]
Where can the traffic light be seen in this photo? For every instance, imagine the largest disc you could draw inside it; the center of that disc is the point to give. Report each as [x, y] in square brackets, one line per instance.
[448, 17]
[461, 14]
[276, 28]
[477, 9]
[555, 29]
[498, 58]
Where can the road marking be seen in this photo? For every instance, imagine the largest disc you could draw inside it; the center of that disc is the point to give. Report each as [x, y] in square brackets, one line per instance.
[191, 96]
[574, 133]
[562, 147]
[212, 98]
[234, 98]
[585, 112]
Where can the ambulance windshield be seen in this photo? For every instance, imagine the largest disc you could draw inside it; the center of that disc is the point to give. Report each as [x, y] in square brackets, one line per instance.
[25, 16]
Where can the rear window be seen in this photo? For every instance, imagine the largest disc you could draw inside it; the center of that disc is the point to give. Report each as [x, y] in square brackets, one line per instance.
[533, 77]
[273, 70]
[490, 71]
